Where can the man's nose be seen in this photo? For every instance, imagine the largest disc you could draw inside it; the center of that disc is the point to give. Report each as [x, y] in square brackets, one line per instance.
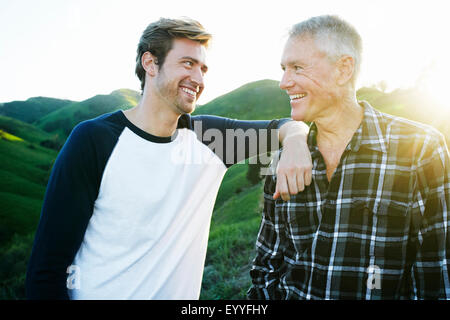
[286, 81]
[197, 77]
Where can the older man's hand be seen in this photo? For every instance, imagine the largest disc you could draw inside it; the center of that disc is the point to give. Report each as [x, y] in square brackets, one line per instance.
[294, 169]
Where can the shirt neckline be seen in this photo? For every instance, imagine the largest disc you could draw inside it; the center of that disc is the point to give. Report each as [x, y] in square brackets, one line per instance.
[368, 133]
[143, 134]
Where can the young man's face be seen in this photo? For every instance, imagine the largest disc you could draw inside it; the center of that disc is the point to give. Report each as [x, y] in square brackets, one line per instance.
[308, 79]
[179, 81]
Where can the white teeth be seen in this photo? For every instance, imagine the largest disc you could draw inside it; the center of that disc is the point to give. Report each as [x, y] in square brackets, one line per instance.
[297, 96]
[192, 93]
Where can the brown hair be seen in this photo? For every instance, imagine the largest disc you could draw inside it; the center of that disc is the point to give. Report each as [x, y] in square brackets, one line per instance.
[158, 37]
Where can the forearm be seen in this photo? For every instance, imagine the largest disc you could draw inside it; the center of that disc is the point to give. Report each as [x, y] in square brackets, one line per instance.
[293, 131]
[294, 169]
[58, 237]
[235, 140]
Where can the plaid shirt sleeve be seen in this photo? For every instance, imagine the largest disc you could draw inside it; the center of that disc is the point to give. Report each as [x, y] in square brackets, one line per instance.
[430, 271]
[268, 263]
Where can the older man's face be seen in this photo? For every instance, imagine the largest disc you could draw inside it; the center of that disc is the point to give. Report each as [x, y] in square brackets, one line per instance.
[309, 79]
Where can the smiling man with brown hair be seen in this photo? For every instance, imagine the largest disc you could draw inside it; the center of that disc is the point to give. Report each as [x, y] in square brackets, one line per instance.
[129, 201]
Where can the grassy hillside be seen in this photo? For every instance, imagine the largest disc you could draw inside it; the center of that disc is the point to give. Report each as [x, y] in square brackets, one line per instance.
[24, 171]
[411, 104]
[64, 119]
[7, 136]
[32, 109]
[234, 229]
[258, 100]
[23, 130]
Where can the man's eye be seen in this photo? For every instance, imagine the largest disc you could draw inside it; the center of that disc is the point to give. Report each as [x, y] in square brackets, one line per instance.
[298, 68]
[188, 63]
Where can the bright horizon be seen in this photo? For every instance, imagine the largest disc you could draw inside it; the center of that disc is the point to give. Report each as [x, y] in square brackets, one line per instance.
[77, 49]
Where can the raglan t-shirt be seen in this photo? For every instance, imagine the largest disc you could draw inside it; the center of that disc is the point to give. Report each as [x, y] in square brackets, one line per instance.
[126, 214]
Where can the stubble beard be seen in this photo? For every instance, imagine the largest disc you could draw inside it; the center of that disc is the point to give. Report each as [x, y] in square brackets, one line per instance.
[169, 92]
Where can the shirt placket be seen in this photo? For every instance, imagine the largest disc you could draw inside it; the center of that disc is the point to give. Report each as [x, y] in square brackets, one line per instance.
[323, 246]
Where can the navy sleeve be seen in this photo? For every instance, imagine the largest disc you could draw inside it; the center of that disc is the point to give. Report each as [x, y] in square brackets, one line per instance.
[235, 140]
[68, 204]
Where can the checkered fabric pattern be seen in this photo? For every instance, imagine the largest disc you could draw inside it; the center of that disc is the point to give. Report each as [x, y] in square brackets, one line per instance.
[377, 230]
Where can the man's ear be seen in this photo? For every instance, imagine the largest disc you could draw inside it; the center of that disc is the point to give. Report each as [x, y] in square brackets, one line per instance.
[345, 68]
[149, 63]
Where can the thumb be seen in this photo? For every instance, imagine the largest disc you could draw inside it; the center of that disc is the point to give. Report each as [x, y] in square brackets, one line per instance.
[276, 194]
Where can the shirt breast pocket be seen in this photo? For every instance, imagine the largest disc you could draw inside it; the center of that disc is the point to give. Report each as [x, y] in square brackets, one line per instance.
[391, 234]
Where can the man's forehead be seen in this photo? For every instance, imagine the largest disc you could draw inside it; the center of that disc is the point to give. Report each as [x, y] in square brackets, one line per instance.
[188, 48]
[299, 50]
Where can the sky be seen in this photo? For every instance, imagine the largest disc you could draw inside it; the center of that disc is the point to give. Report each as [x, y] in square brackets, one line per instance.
[76, 49]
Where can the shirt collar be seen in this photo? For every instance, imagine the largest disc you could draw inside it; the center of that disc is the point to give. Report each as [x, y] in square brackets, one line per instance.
[368, 135]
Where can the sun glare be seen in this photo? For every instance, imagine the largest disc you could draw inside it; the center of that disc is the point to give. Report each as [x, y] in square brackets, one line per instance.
[435, 82]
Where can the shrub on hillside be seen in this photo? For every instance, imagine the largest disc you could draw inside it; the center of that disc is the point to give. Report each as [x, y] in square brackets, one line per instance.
[13, 265]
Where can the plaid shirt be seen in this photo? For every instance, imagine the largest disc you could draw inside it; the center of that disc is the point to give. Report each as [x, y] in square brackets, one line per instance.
[377, 230]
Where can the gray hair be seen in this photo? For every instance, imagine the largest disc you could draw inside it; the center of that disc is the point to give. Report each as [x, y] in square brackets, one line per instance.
[334, 37]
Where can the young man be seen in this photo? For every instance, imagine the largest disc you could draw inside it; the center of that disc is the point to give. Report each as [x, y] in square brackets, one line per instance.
[129, 201]
[374, 222]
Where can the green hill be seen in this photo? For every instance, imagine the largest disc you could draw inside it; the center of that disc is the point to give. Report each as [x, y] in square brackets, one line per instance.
[258, 100]
[24, 171]
[23, 130]
[265, 100]
[32, 109]
[412, 104]
[64, 119]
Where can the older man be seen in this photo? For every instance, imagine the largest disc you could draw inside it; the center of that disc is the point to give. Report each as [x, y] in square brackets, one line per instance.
[374, 222]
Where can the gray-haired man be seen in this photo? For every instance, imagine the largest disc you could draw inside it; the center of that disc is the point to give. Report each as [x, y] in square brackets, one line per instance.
[374, 222]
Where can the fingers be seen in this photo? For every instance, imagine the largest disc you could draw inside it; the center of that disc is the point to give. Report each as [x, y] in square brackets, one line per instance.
[307, 173]
[276, 194]
[292, 183]
[308, 176]
[292, 177]
[300, 182]
[281, 188]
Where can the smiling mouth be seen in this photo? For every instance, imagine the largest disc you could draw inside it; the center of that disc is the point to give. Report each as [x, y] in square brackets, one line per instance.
[296, 97]
[190, 92]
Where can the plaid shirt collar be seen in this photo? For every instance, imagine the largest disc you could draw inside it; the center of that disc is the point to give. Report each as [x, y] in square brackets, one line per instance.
[368, 135]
